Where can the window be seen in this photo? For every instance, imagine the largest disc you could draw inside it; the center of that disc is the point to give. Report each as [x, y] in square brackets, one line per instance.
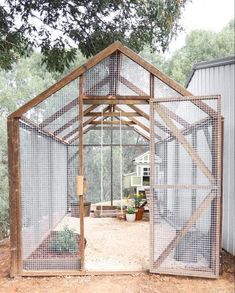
[146, 171]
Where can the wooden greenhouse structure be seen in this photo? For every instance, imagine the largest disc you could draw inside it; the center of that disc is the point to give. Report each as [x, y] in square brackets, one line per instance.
[117, 87]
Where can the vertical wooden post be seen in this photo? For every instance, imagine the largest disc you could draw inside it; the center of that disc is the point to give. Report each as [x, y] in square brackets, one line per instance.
[14, 195]
[81, 171]
[152, 171]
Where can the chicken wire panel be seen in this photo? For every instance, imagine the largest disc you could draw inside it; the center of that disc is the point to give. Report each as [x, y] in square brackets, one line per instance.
[185, 203]
[44, 189]
[116, 75]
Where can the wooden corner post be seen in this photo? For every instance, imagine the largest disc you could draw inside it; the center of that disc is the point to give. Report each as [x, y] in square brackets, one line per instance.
[81, 173]
[14, 195]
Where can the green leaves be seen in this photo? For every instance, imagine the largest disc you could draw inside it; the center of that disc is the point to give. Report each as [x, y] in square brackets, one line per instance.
[65, 241]
[59, 27]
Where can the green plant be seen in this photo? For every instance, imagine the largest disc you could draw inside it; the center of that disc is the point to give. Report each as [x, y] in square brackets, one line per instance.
[65, 241]
[131, 210]
[137, 199]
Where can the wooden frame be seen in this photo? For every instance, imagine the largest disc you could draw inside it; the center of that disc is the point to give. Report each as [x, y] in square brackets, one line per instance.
[86, 97]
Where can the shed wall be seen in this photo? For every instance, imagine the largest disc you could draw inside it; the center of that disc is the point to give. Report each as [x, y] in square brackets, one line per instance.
[220, 80]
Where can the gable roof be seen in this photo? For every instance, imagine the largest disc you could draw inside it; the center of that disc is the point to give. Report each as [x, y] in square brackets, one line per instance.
[116, 46]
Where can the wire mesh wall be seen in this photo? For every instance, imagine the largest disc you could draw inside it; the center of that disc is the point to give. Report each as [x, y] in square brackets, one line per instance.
[186, 201]
[47, 242]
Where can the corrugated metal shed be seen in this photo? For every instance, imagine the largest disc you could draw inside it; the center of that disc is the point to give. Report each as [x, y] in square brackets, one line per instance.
[217, 77]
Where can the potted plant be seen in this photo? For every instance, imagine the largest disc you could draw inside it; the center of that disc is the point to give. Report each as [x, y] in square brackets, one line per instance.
[130, 214]
[137, 198]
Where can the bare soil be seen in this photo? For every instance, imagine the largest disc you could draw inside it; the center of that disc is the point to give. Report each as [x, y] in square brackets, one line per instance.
[136, 283]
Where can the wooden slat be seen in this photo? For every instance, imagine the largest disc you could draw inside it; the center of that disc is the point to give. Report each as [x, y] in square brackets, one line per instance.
[180, 137]
[112, 122]
[184, 230]
[113, 114]
[117, 97]
[114, 102]
[67, 79]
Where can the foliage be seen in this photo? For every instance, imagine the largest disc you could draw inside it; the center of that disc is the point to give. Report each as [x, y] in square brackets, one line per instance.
[59, 27]
[200, 45]
[137, 199]
[65, 241]
[131, 210]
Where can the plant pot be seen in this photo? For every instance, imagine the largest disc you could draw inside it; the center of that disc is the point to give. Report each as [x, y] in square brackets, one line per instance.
[139, 214]
[75, 209]
[130, 217]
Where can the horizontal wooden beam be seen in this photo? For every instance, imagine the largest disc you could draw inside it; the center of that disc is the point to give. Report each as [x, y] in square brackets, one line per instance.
[117, 97]
[113, 102]
[113, 114]
[112, 122]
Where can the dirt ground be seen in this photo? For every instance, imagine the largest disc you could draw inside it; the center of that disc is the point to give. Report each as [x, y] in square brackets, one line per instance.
[137, 283]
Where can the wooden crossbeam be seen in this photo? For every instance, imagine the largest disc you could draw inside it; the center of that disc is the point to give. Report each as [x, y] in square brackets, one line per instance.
[112, 122]
[114, 102]
[87, 122]
[113, 114]
[185, 229]
[116, 97]
[183, 141]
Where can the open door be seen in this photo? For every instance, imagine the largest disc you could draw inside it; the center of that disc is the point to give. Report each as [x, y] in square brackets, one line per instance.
[185, 207]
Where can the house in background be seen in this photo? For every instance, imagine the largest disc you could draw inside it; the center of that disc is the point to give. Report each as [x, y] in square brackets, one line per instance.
[140, 179]
[217, 77]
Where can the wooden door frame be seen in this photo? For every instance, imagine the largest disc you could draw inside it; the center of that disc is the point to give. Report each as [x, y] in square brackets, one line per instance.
[214, 197]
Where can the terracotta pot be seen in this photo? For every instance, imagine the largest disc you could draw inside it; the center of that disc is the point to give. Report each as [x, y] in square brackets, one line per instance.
[139, 214]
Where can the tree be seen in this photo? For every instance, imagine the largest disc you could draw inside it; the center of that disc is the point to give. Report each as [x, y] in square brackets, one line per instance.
[200, 45]
[61, 27]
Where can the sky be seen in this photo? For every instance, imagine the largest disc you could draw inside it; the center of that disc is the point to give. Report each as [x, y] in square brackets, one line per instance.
[204, 14]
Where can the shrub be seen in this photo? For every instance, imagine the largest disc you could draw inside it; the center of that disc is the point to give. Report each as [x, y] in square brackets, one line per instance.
[65, 241]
